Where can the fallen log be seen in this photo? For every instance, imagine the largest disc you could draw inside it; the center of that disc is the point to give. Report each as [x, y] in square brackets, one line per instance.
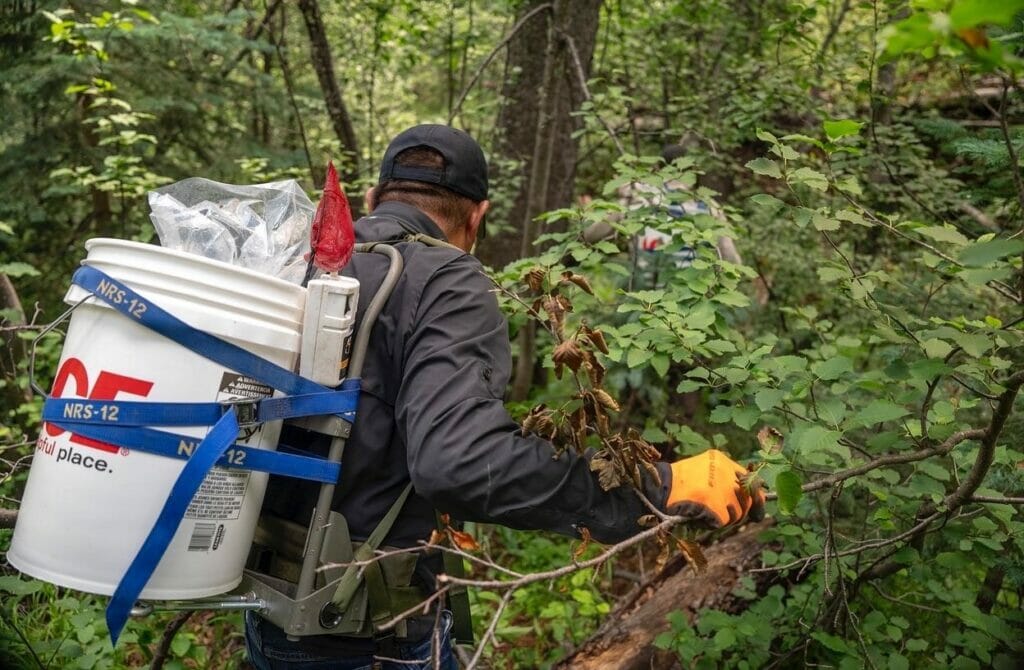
[625, 640]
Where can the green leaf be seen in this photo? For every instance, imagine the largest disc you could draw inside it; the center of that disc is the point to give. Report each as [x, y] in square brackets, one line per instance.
[637, 357]
[832, 642]
[765, 166]
[983, 253]
[833, 368]
[927, 369]
[944, 234]
[732, 298]
[787, 487]
[979, 276]
[721, 414]
[816, 438]
[768, 399]
[19, 587]
[831, 274]
[824, 223]
[802, 216]
[898, 662]
[852, 217]
[745, 417]
[842, 128]
[878, 411]
[974, 344]
[767, 202]
[725, 638]
[655, 435]
[936, 348]
[180, 645]
[809, 177]
[969, 13]
[18, 269]
[660, 364]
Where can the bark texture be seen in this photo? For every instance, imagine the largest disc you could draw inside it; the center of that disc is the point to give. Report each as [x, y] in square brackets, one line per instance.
[536, 142]
[625, 640]
[541, 90]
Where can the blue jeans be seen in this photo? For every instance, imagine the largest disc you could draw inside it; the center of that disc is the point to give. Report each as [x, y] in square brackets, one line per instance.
[273, 658]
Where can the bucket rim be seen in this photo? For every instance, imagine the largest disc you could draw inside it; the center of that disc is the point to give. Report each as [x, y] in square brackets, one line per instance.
[191, 258]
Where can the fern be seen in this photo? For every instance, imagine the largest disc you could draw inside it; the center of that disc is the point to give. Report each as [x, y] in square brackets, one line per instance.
[991, 153]
[941, 129]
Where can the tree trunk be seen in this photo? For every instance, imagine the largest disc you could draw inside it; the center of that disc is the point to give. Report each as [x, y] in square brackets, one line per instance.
[538, 109]
[537, 129]
[625, 640]
[320, 54]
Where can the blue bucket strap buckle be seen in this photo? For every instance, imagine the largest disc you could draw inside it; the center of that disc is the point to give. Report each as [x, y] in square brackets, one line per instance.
[247, 411]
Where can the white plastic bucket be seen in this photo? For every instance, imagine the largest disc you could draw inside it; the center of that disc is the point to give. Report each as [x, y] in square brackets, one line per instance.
[87, 509]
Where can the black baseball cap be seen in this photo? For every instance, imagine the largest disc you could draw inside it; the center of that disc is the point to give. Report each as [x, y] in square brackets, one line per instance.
[465, 168]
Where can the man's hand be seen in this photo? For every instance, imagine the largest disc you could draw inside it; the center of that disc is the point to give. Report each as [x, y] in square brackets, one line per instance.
[709, 488]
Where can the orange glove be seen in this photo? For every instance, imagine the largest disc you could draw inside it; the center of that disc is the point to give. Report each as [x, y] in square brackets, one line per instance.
[708, 488]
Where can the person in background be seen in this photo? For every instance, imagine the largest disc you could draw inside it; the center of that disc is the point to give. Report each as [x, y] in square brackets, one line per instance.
[653, 261]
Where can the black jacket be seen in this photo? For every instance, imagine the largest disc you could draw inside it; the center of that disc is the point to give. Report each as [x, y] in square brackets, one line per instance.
[431, 411]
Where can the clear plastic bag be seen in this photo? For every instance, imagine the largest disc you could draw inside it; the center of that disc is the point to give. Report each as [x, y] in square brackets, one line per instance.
[263, 227]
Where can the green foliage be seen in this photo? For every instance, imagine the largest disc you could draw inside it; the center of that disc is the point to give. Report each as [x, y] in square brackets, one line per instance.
[866, 158]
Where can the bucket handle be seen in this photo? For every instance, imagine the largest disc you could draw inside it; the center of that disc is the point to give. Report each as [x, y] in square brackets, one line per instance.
[38, 338]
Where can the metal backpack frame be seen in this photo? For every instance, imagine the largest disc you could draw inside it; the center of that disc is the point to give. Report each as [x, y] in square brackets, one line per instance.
[300, 608]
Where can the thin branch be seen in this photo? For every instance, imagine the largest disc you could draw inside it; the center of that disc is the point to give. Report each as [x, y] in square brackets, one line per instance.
[891, 459]
[286, 73]
[260, 27]
[535, 577]
[494, 52]
[998, 286]
[873, 544]
[422, 607]
[980, 217]
[993, 500]
[986, 453]
[164, 650]
[582, 77]
[489, 635]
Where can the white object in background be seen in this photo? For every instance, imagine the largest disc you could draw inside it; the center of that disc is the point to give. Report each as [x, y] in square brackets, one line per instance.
[327, 328]
[88, 506]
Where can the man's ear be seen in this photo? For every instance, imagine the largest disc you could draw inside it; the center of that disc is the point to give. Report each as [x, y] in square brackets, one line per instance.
[369, 197]
[475, 218]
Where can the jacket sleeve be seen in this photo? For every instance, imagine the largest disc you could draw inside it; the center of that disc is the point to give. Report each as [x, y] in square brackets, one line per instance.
[465, 453]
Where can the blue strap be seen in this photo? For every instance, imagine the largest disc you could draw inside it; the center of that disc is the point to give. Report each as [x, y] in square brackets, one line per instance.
[209, 451]
[135, 413]
[139, 309]
[238, 456]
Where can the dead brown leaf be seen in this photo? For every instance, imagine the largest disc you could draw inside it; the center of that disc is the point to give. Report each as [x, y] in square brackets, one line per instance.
[694, 554]
[569, 354]
[597, 337]
[581, 548]
[579, 280]
[463, 540]
[535, 277]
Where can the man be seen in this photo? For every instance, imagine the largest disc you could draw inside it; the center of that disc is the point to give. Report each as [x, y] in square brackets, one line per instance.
[653, 263]
[431, 410]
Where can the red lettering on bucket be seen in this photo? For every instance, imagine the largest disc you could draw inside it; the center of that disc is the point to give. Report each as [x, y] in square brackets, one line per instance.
[108, 386]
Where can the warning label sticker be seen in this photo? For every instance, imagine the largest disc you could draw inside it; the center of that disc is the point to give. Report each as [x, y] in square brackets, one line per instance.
[234, 386]
[220, 496]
